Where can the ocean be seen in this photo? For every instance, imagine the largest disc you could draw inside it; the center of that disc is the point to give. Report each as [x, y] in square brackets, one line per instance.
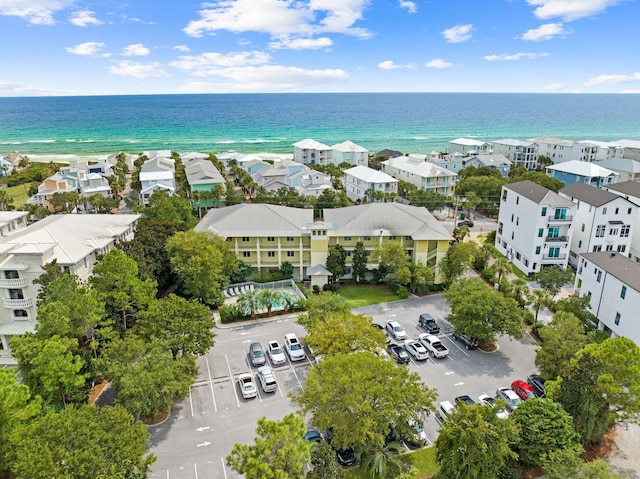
[252, 123]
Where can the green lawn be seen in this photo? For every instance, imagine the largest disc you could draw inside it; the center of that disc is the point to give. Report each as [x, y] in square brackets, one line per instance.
[19, 195]
[423, 460]
[363, 295]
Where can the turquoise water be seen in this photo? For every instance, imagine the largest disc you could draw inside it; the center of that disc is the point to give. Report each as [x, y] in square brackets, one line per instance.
[409, 122]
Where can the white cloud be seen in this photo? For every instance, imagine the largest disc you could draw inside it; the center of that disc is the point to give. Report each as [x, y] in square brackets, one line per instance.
[613, 79]
[439, 63]
[211, 63]
[410, 6]
[135, 50]
[552, 87]
[37, 12]
[545, 32]
[182, 48]
[458, 33]
[280, 18]
[138, 70]
[86, 48]
[265, 78]
[515, 56]
[84, 18]
[301, 43]
[570, 9]
[8, 89]
[388, 65]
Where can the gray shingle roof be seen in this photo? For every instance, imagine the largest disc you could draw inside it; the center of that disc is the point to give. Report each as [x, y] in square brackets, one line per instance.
[627, 187]
[617, 265]
[538, 194]
[588, 194]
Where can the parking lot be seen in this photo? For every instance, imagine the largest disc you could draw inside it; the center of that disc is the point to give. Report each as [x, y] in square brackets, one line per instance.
[202, 430]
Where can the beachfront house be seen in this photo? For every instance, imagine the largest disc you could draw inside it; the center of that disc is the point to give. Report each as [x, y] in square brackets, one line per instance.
[74, 241]
[534, 226]
[468, 146]
[157, 174]
[611, 281]
[606, 150]
[603, 221]
[265, 236]
[311, 152]
[424, 175]
[630, 190]
[366, 184]
[349, 152]
[493, 161]
[573, 171]
[519, 152]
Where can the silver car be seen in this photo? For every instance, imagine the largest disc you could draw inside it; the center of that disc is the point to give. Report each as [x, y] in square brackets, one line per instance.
[256, 355]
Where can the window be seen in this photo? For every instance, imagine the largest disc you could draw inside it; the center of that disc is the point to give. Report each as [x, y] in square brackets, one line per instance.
[392, 238]
[245, 239]
[624, 231]
[246, 254]
[347, 238]
[537, 249]
[526, 263]
[407, 238]
[513, 234]
[367, 238]
[582, 228]
[290, 239]
[540, 232]
[600, 230]
[20, 313]
[517, 221]
[271, 254]
[622, 248]
[617, 210]
[543, 211]
[597, 248]
[623, 292]
[517, 200]
[609, 247]
[291, 254]
[512, 217]
[613, 232]
[599, 276]
[628, 211]
[560, 214]
[617, 320]
[553, 232]
[271, 239]
[604, 211]
[504, 195]
[518, 256]
[580, 244]
[554, 252]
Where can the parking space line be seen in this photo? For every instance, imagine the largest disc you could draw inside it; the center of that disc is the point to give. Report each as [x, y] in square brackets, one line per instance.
[246, 358]
[294, 372]
[224, 470]
[233, 383]
[190, 401]
[215, 406]
[195, 468]
[273, 371]
[454, 343]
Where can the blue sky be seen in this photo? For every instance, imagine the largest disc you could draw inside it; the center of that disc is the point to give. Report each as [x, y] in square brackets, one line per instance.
[79, 47]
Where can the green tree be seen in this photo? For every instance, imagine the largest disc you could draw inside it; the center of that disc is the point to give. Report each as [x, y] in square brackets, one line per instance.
[383, 461]
[475, 444]
[6, 201]
[359, 262]
[325, 466]
[185, 327]
[553, 279]
[544, 427]
[540, 298]
[336, 261]
[321, 307]
[17, 407]
[391, 254]
[421, 277]
[145, 375]
[344, 334]
[279, 451]
[458, 259]
[79, 443]
[286, 270]
[203, 263]
[51, 272]
[116, 280]
[249, 302]
[165, 208]
[501, 267]
[345, 392]
[561, 340]
[480, 312]
[269, 298]
[579, 307]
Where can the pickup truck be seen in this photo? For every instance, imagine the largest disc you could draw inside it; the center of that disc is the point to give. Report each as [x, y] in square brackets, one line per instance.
[434, 345]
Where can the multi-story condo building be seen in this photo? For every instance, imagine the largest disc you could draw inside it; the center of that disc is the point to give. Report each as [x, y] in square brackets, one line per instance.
[606, 150]
[312, 152]
[468, 146]
[630, 148]
[361, 183]
[574, 171]
[520, 152]
[603, 221]
[630, 190]
[559, 150]
[265, 236]
[612, 282]
[534, 226]
[349, 152]
[74, 241]
[424, 175]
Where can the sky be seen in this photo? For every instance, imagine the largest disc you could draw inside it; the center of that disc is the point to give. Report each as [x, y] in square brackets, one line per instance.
[101, 47]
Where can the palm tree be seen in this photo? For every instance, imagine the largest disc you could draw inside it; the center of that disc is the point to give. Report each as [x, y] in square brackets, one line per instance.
[269, 298]
[381, 461]
[520, 291]
[249, 302]
[288, 300]
[540, 299]
[501, 266]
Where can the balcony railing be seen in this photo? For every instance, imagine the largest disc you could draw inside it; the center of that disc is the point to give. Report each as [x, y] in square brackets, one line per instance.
[17, 303]
[556, 239]
[560, 257]
[13, 283]
[566, 219]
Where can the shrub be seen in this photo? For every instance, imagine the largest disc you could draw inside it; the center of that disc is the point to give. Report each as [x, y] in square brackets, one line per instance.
[316, 289]
[402, 292]
[488, 275]
[230, 314]
[330, 287]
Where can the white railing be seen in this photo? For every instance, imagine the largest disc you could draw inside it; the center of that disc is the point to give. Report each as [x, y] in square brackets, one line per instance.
[17, 303]
[13, 283]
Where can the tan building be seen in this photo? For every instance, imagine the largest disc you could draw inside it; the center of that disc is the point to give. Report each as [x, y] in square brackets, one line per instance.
[265, 236]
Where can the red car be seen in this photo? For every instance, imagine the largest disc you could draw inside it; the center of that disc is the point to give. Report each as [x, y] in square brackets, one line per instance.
[523, 389]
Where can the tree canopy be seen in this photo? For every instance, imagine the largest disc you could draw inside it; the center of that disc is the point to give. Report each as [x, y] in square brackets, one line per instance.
[323, 306]
[344, 334]
[553, 279]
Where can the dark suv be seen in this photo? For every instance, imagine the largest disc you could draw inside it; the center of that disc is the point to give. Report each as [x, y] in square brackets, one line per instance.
[468, 341]
[426, 322]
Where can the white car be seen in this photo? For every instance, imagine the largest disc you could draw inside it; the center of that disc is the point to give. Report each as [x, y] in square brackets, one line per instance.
[396, 331]
[247, 386]
[276, 354]
[294, 347]
[416, 349]
[267, 379]
[487, 400]
[509, 396]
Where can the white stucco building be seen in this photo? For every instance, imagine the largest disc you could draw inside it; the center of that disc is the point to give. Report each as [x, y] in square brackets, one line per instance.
[312, 152]
[631, 191]
[156, 174]
[559, 150]
[519, 152]
[360, 179]
[468, 146]
[423, 174]
[630, 148]
[349, 152]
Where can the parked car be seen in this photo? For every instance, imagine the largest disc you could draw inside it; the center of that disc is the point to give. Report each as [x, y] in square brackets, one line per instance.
[416, 349]
[434, 345]
[312, 436]
[468, 341]
[487, 400]
[465, 399]
[523, 389]
[417, 436]
[267, 379]
[426, 322]
[395, 330]
[381, 328]
[398, 353]
[247, 386]
[256, 355]
[346, 456]
[468, 223]
[537, 383]
[276, 354]
[294, 347]
[444, 409]
[509, 396]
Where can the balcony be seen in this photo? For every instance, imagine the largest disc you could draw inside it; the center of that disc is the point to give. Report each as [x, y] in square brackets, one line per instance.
[566, 219]
[557, 239]
[17, 303]
[560, 257]
[13, 283]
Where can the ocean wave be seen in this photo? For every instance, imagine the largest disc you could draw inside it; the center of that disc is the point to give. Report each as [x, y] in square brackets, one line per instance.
[41, 141]
[261, 140]
[225, 142]
[420, 138]
[11, 143]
